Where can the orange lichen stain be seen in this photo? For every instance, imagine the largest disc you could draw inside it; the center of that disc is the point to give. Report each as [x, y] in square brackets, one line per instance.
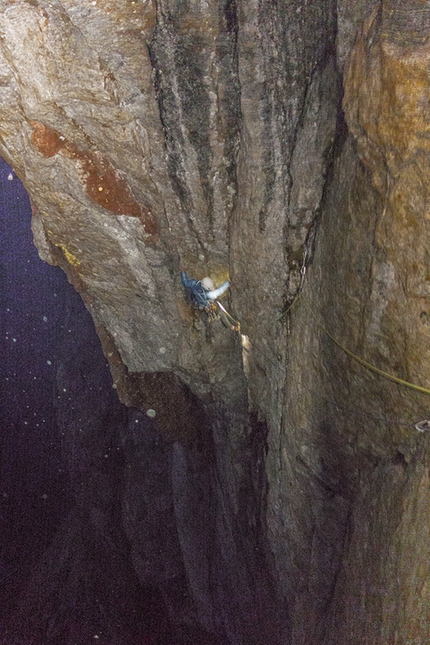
[105, 186]
[46, 139]
[70, 257]
[102, 182]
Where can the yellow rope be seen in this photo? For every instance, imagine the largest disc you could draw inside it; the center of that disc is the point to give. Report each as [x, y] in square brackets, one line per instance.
[347, 351]
[421, 426]
[360, 360]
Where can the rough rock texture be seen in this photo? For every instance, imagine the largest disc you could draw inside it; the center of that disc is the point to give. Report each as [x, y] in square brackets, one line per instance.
[383, 592]
[212, 134]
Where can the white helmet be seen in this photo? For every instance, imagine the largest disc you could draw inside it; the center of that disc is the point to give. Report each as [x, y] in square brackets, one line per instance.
[207, 284]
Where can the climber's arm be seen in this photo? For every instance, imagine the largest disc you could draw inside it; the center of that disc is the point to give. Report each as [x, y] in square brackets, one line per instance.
[186, 281]
[216, 293]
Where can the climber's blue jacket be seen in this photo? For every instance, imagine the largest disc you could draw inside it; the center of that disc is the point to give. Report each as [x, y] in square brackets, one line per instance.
[197, 294]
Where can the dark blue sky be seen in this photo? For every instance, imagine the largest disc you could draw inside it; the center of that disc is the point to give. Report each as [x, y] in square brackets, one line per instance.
[34, 300]
[32, 295]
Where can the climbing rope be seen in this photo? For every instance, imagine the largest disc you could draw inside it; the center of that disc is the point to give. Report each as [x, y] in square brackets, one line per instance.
[347, 351]
[421, 426]
[235, 324]
[362, 362]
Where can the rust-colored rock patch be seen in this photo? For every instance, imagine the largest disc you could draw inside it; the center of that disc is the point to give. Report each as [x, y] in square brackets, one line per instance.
[103, 184]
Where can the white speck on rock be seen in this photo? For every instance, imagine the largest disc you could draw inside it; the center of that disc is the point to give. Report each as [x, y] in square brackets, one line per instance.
[422, 426]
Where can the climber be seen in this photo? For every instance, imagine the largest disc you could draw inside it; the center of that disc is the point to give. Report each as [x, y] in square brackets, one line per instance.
[202, 295]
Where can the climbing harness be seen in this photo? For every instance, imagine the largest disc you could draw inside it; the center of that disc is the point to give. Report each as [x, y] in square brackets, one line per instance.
[211, 311]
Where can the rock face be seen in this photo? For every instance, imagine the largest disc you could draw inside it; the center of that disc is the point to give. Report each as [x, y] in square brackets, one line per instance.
[285, 497]
[382, 592]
